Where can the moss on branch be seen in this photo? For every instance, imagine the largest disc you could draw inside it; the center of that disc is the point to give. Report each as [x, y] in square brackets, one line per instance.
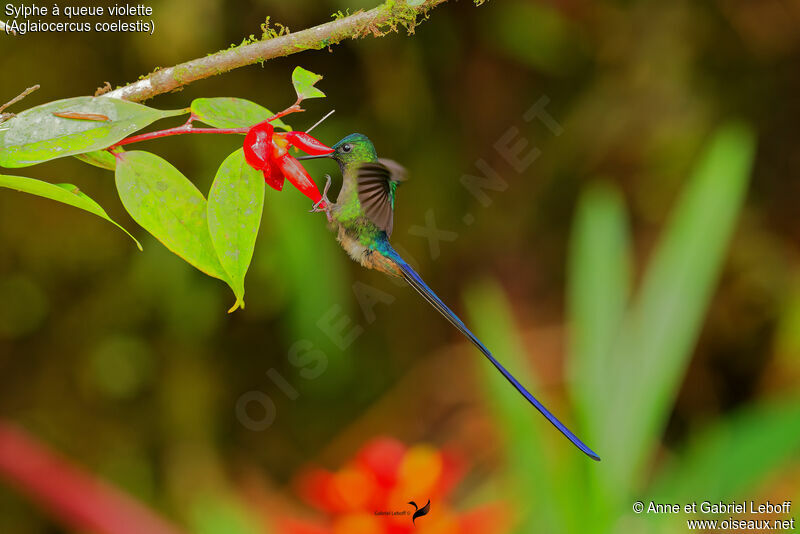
[386, 18]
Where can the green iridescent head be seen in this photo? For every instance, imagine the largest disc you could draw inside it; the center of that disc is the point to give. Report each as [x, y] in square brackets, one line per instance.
[354, 149]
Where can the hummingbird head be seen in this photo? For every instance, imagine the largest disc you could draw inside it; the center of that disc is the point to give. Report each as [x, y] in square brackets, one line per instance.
[355, 148]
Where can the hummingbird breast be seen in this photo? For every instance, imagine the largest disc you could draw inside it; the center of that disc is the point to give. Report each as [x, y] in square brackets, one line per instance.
[366, 255]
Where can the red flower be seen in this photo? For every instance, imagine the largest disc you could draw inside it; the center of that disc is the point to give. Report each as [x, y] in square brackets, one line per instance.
[268, 151]
[371, 495]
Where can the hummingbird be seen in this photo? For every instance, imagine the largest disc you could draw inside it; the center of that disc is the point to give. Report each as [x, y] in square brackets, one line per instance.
[362, 216]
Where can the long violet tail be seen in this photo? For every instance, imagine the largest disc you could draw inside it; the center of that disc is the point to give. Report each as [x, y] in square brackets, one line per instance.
[414, 280]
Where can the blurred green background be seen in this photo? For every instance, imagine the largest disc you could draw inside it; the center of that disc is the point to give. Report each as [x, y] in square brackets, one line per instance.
[639, 270]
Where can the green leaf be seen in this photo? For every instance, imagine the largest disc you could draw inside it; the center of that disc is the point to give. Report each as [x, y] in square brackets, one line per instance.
[99, 158]
[599, 284]
[525, 432]
[734, 456]
[235, 204]
[65, 193]
[228, 112]
[36, 135]
[598, 287]
[665, 320]
[222, 514]
[166, 204]
[303, 81]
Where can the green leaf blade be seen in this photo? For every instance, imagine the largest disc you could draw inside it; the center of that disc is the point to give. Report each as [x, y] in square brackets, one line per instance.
[599, 280]
[523, 428]
[734, 455]
[222, 514]
[235, 205]
[166, 204]
[37, 135]
[665, 319]
[598, 288]
[303, 81]
[229, 112]
[64, 193]
[99, 158]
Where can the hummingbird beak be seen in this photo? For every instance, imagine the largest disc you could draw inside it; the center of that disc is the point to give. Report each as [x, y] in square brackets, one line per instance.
[330, 155]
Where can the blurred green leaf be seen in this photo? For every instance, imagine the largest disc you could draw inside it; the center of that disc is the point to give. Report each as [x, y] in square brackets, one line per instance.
[99, 158]
[228, 112]
[599, 284]
[166, 204]
[65, 193]
[519, 423]
[787, 337]
[222, 515]
[734, 455]
[36, 135]
[303, 81]
[598, 287]
[665, 320]
[235, 204]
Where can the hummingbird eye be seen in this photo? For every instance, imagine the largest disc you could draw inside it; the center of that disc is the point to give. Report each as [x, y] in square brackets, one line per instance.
[347, 147]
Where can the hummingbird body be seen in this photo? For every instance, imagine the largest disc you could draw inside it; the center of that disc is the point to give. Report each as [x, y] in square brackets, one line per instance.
[367, 251]
[368, 183]
[362, 217]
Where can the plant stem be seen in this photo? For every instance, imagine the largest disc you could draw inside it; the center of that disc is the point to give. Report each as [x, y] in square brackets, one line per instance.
[187, 128]
[178, 130]
[19, 97]
[26, 92]
[377, 22]
[294, 108]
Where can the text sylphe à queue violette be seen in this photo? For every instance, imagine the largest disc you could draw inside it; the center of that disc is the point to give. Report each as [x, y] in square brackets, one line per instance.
[20, 23]
[117, 10]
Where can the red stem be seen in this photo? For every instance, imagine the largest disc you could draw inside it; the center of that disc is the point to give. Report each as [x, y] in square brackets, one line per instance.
[178, 130]
[187, 128]
[294, 108]
[81, 501]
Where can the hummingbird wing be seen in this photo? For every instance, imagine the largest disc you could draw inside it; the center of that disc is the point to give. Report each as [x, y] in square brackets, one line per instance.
[398, 172]
[377, 181]
[427, 293]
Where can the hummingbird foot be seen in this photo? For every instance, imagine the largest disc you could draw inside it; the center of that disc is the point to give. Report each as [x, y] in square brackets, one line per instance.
[316, 208]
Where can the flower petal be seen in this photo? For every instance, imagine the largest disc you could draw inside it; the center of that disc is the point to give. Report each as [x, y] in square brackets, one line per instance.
[383, 457]
[258, 145]
[299, 177]
[274, 178]
[308, 144]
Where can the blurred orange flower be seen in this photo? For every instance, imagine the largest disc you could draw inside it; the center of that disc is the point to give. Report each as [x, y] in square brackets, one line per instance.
[372, 494]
